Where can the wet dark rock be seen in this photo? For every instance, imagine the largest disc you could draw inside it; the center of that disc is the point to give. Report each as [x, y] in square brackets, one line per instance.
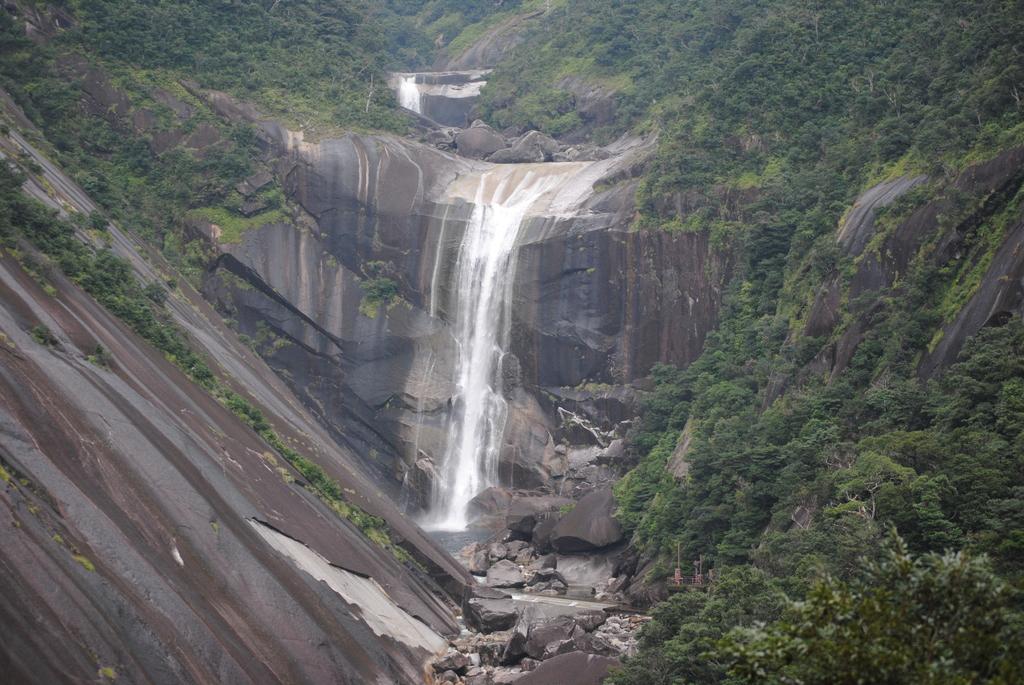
[449, 677]
[574, 668]
[589, 526]
[505, 574]
[523, 513]
[487, 610]
[546, 638]
[153, 580]
[578, 284]
[527, 457]
[449, 98]
[534, 147]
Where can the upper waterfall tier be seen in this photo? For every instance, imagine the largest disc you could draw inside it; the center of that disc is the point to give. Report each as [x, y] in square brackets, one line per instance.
[445, 97]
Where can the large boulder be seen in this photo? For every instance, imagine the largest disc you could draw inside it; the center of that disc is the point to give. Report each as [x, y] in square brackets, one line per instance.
[534, 147]
[515, 648]
[493, 500]
[527, 458]
[478, 142]
[523, 513]
[591, 619]
[552, 637]
[552, 586]
[479, 561]
[513, 548]
[544, 561]
[505, 574]
[589, 526]
[487, 610]
[546, 575]
[496, 551]
[614, 453]
[574, 668]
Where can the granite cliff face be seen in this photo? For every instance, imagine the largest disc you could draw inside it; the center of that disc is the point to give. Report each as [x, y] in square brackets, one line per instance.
[595, 302]
[941, 229]
[152, 536]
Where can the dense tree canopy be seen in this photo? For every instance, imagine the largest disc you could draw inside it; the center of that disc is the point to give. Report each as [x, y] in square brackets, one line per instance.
[939, 618]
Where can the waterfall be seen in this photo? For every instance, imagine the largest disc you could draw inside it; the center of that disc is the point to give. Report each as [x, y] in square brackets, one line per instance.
[481, 318]
[409, 93]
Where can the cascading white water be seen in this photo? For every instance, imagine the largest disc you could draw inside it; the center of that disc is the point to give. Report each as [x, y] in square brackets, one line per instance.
[481, 317]
[409, 93]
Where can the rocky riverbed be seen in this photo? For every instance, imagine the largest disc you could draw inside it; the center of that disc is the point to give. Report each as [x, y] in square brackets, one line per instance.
[548, 607]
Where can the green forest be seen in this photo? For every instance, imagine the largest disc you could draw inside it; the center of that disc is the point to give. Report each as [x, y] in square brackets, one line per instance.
[839, 511]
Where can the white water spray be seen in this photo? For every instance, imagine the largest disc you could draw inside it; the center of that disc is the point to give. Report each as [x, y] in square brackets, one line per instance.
[481, 318]
[409, 93]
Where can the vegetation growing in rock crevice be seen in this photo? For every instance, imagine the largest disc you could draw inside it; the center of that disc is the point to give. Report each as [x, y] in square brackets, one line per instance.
[379, 289]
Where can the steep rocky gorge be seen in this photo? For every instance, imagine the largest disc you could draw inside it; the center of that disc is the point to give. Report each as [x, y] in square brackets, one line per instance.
[595, 303]
[364, 384]
[450, 330]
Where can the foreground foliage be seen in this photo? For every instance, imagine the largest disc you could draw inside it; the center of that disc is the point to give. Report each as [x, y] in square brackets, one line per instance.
[932, 619]
[674, 645]
[938, 618]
